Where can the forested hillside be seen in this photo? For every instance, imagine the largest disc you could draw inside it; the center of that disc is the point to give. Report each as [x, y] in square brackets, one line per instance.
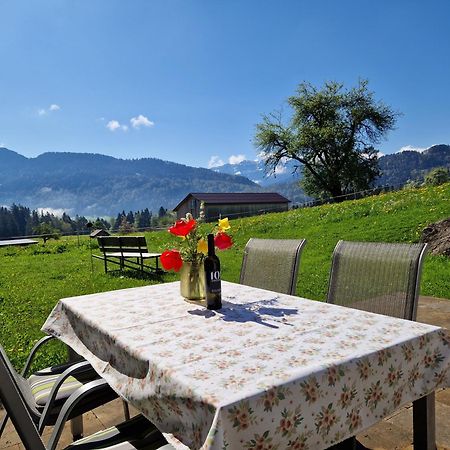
[98, 185]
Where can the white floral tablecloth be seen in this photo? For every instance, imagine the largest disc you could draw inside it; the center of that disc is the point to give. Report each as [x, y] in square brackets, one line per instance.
[268, 371]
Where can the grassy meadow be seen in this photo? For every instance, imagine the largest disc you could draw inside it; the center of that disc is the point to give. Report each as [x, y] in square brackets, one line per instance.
[33, 278]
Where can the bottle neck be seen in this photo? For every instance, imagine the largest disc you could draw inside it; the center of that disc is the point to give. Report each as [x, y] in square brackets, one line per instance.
[211, 248]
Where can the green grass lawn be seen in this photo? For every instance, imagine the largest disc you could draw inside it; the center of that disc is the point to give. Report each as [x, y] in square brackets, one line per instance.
[32, 279]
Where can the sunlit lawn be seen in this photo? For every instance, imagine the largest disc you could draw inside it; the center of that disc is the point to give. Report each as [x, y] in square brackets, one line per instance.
[32, 279]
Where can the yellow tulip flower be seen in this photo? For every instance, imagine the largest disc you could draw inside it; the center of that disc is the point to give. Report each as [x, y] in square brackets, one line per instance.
[224, 224]
[202, 246]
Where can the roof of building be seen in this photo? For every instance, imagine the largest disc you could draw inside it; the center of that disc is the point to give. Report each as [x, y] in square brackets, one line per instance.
[221, 198]
[99, 232]
[5, 242]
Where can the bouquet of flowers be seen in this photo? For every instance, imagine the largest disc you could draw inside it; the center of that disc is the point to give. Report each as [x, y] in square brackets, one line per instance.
[193, 245]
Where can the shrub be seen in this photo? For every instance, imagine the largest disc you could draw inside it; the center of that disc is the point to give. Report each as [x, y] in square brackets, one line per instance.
[437, 176]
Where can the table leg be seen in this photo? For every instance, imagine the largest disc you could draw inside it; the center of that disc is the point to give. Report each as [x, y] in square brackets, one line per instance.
[424, 427]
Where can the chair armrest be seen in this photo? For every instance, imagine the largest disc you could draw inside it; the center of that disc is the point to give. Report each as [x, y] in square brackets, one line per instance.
[69, 405]
[75, 368]
[30, 358]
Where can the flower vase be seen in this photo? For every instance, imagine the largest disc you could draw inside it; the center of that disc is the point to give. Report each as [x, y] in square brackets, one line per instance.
[192, 281]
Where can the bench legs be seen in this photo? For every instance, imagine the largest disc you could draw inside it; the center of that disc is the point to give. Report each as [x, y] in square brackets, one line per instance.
[424, 423]
[137, 263]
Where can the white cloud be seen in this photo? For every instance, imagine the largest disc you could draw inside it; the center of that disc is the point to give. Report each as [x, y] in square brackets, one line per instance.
[141, 121]
[380, 154]
[215, 161]
[113, 125]
[55, 211]
[280, 169]
[45, 189]
[236, 159]
[261, 156]
[410, 148]
[44, 111]
[238, 172]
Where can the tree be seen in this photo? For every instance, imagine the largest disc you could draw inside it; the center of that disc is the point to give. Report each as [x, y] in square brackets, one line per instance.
[130, 217]
[126, 227]
[46, 231]
[162, 212]
[331, 135]
[437, 176]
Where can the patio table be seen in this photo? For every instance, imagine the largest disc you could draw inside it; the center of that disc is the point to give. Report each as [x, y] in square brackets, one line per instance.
[267, 371]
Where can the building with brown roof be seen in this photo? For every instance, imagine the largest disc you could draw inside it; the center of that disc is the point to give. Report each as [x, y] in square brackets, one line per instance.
[231, 204]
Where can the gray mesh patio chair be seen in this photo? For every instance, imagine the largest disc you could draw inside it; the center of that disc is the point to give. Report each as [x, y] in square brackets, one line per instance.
[136, 433]
[45, 391]
[380, 277]
[272, 264]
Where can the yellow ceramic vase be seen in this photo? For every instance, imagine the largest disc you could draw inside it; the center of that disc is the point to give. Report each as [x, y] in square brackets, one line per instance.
[192, 281]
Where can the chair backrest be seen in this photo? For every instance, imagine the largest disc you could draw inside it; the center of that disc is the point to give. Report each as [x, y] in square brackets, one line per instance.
[16, 406]
[272, 264]
[378, 277]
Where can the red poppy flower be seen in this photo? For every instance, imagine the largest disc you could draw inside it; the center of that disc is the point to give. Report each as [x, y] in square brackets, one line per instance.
[182, 227]
[222, 241]
[171, 259]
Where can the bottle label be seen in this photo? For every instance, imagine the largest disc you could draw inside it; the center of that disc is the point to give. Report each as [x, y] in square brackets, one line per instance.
[214, 282]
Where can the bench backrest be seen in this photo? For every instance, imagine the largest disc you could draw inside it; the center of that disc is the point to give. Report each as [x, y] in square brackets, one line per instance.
[122, 244]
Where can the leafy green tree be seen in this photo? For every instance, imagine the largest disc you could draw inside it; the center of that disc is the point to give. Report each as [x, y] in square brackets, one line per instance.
[437, 176]
[46, 231]
[101, 224]
[331, 134]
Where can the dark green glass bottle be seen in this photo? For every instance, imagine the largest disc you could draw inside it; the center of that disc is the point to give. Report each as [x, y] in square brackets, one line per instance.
[212, 277]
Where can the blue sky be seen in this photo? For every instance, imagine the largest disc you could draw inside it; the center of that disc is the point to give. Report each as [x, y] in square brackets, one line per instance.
[187, 80]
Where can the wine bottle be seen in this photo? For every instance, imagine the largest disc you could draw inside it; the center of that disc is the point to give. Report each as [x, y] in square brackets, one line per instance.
[212, 277]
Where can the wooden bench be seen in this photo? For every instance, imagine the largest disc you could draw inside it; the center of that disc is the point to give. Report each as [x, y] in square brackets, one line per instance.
[127, 252]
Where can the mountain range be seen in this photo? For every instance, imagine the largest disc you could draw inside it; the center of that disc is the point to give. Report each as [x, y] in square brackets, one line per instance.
[396, 169]
[255, 171]
[98, 185]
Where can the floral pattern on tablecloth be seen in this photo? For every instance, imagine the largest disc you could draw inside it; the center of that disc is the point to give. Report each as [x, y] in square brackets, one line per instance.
[268, 371]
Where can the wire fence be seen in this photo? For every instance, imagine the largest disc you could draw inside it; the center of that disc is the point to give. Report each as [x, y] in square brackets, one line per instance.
[306, 204]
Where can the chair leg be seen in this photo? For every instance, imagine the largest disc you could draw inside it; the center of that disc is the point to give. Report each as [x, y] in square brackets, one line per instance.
[126, 410]
[3, 422]
[76, 427]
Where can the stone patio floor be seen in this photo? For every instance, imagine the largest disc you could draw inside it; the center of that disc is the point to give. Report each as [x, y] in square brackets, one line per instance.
[394, 432]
